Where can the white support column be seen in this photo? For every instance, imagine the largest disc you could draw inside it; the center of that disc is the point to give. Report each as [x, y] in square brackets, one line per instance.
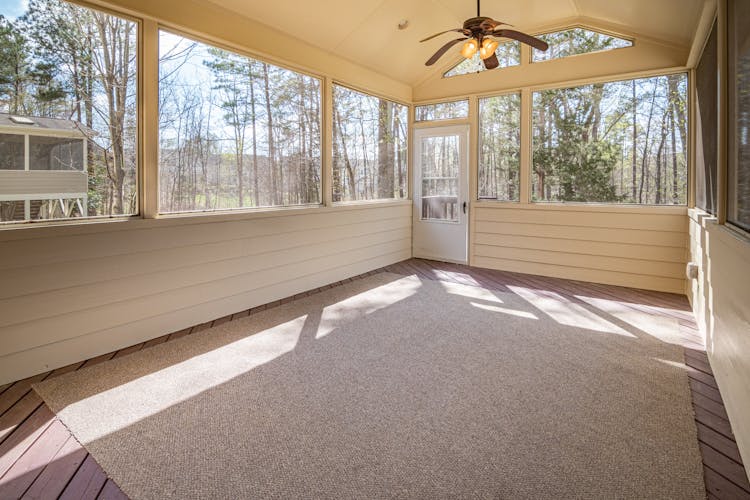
[26, 155]
[26, 209]
[148, 108]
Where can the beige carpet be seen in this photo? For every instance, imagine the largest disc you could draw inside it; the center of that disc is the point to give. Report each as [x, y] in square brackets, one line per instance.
[395, 387]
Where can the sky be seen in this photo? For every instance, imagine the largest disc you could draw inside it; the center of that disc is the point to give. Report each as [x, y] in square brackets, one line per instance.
[13, 8]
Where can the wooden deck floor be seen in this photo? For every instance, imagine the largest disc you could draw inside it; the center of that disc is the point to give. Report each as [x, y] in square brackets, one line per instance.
[39, 458]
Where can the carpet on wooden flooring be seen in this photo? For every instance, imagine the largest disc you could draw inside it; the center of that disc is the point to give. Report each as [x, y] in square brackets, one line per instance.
[393, 386]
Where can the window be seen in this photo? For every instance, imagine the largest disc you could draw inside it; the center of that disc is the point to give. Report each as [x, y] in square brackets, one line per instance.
[369, 147]
[576, 41]
[12, 152]
[66, 149]
[706, 126]
[499, 147]
[617, 142]
[56, 153]
[508, 54]
[738, 179]
[442, 111]
[234, 132]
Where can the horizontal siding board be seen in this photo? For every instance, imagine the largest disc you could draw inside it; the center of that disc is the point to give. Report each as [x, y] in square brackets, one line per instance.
[17, 310]
[37, 251]
[13, 182]
[42, 278]
[584, 274]
[76, 347]
[625, 250]
[55, 328]
[652, 238]
[618, 264]
[649, 222]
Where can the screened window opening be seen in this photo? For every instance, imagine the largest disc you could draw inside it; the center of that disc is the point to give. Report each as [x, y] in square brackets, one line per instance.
[617, 142]
[576, 41]
[234, 132]
[68, 112]
[369, 147]
[499, 147]
[508, 54]
[706, 120]
[738, 178]
[12, 155]
[442, 111]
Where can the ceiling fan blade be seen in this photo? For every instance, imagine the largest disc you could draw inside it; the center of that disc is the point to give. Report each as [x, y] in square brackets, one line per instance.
[457, 30]
[442, 50]
[491, 62]
[491, 24]
[523, 38]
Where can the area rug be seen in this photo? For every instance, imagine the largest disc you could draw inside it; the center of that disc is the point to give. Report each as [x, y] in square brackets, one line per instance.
[395, 387]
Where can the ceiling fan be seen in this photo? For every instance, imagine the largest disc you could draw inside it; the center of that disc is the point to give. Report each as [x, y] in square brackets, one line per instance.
[478, 36]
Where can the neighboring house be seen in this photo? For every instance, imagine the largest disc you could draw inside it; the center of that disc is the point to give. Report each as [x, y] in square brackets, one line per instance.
[43, 171]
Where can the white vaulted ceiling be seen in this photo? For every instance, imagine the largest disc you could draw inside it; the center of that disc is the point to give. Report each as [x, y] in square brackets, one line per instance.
[366, 31]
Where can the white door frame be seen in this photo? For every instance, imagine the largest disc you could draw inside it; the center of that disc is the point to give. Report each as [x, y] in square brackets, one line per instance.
[441, 240]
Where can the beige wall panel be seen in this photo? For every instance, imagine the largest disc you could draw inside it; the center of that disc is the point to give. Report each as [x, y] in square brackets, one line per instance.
[585, 247]
[145, 235]
[559, 258]
[161, 279]
[642, 247]
[555, 217]
[39, 181]
[24, 309]
[650, 238]
[99, 342]
[720, 298]
[644, 56]
[47, 277]
[241, 32]
[83, 321]
[583, 274]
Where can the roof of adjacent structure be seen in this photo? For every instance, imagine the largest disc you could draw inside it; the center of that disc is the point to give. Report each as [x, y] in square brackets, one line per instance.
[8, 120]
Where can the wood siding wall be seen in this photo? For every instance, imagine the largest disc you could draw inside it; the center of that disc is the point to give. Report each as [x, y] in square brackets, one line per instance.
[640, 247]
[15, 182]
[720, 298]
[68, 297]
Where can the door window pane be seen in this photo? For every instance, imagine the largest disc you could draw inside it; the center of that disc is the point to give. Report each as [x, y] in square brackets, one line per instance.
[440, 168]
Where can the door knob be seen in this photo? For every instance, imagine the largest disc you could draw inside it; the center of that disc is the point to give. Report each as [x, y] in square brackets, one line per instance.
[464, 207]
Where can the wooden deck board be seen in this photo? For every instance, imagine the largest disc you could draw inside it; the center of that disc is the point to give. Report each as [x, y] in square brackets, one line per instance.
[40, 459]
[86, 483]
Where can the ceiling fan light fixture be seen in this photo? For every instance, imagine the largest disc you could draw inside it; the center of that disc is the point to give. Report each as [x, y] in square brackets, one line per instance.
[488, 48]
[469, 48]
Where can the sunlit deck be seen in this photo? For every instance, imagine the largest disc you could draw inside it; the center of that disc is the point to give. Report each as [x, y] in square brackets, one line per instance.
[39, 458]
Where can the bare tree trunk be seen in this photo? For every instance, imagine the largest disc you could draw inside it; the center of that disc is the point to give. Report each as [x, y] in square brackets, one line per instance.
[385, 150]
[271, 146]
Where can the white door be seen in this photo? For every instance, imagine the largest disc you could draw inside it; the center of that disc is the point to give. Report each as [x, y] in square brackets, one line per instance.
[441, 193]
